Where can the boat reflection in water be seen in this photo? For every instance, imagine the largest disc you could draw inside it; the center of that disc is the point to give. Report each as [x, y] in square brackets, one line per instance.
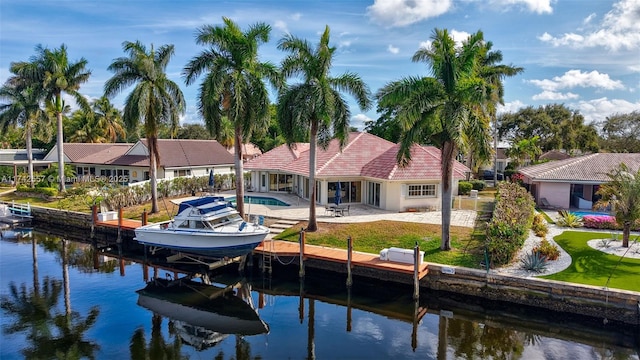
[203, 315]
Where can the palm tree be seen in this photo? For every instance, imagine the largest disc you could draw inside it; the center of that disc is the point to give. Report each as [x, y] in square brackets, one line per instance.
[109, 119]
[84, 128]
[447, 109]
[316, 106]
[155, 99]
[622, 194]
[524, 149]
[53, 74]
[493, 72]
[23, 107]
[233, 86]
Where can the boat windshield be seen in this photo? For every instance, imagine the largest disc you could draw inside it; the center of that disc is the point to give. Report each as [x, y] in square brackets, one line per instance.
[231, 218]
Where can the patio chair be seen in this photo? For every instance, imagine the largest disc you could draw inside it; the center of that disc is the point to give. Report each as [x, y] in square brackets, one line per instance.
[328, 209]
[544, 204]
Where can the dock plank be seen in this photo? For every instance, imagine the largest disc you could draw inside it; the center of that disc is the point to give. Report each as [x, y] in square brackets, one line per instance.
[287, 248]
[128, 224]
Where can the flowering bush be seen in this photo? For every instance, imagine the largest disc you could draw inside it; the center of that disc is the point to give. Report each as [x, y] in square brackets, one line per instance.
[605, 222]
[517, 178]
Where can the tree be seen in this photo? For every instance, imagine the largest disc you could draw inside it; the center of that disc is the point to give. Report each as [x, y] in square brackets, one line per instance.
[155, 99]
[386, 127]
[621, 133]
[193, 131]
[316, 106]
[233, 87]
[100, 125]
[524, 149]
[447, 109]
[23, 108]
[52, 73]
[109, 119]
[494, 72]
[622, 195]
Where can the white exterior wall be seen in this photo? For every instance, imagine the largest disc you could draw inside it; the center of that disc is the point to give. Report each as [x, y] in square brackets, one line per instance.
[556, 193]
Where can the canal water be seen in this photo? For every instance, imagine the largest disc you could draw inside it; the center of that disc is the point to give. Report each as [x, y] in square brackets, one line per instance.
[62, 301]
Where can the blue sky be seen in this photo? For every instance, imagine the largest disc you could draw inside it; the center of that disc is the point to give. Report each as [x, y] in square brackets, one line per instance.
[583, 53]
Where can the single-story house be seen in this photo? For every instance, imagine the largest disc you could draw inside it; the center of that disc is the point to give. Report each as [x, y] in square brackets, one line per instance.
[366, 169]
[573, 182]
[17, 158]
[129, 163]
[249, 151]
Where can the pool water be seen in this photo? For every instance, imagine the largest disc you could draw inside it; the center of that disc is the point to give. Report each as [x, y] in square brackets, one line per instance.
[584, 213]
[260, 200]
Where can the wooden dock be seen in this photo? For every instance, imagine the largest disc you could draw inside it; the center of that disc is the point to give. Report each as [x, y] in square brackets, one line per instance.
[279, 248]
[126, 224]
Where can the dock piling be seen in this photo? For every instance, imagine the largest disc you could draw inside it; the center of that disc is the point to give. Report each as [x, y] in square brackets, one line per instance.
[302, 240]
[119, 239]
[144, 217]
[349, 257]
[416, 272]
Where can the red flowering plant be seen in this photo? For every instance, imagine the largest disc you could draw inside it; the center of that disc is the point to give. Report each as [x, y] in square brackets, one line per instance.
[517, 178]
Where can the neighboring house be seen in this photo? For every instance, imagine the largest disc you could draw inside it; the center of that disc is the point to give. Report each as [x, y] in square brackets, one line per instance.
[366, 169]
[129, 163]
[553, 155]
[502, 160]
[249, 151]
[17, 158]
[573, 182]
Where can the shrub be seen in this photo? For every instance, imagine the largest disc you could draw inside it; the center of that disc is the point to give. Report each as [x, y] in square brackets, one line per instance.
[48, 191]
[539, 226]
[549, 250]
[510, 223]
[464, 187]
[478, 185]
[569, 219]
[534, 261]
[605, 222]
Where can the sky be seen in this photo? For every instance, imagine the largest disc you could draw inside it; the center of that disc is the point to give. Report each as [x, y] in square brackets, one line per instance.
[581, 53]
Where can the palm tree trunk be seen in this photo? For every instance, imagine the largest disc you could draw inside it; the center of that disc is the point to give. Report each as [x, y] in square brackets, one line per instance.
[495, 151]
[239, 170]
[153, 177]
[29, 154]
[65, 279]
[626, 231]
[313, 139]
[448, 149]
[60, 152]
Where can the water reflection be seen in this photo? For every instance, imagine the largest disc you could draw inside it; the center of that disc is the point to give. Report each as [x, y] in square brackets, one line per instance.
[318, 317]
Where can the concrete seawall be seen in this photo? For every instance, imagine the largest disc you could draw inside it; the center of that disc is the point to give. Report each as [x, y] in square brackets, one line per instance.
[596, 302]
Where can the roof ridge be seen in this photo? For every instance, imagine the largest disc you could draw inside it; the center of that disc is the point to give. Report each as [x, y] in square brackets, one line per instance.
[570, 162]
[340, 151]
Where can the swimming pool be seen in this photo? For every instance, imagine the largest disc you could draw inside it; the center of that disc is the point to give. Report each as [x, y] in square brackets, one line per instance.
[260, 200]
[586, 212]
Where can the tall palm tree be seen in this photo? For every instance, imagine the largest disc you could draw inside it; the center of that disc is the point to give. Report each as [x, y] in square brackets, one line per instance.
[447, 109]
[23, 107]
[233, 86]
[53, 73]
[155, 99]
[494, 72]
[622, 194]
[316, 106]
[84, 128]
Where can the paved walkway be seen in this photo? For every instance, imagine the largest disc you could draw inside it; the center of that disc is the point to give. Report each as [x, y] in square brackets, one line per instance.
[299, 210]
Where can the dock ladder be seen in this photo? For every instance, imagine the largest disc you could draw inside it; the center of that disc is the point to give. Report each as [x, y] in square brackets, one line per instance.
[267, 256]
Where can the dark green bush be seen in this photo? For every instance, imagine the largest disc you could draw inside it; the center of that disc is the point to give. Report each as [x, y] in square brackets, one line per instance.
[478, 185]
[464, 187]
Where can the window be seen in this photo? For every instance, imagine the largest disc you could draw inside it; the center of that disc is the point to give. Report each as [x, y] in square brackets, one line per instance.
[373, 194]
[177, 173]
[422, 190]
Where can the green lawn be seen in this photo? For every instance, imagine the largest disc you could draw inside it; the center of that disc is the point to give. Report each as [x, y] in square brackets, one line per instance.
[593, 267]
[371, 237]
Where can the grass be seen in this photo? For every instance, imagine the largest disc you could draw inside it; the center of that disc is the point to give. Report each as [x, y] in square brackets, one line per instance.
[594, 267]
[371, 237]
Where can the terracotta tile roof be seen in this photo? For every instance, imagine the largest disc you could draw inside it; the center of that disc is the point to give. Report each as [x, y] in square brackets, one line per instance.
[277, 158]
[554, 155]
[587, 168]
[363, 155]
[183, 153]
[249, 150]
[100, 153]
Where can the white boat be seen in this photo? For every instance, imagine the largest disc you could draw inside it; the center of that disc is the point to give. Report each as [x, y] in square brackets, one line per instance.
[208, 226]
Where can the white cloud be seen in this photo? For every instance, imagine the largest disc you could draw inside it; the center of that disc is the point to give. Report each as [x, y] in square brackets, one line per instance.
[398, 13]
[296, 16]
[359, 120]
[392, 49]
[555, 96]
[510, 107]
[620, 29]
[577, 78]
[281, 25]
[537, 6]
[597, 110]
[458, 37]
[588, 19]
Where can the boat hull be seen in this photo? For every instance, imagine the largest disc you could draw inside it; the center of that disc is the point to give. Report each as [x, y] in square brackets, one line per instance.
[213, 244]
